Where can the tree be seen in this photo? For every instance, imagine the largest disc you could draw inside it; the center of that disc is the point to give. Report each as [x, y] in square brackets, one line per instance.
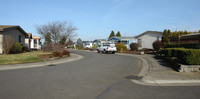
[165, 36]
[79, 43]
[7, 43]
[118, 34]
[63, 40]
[111, 34]
[56, 32]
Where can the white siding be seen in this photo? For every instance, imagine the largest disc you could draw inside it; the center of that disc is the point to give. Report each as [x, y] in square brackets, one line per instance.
[1, 43]
[148, 39]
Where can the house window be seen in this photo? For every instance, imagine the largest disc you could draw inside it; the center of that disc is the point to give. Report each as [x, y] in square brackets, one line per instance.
[20, 39]
[35, 43]
[139, 43]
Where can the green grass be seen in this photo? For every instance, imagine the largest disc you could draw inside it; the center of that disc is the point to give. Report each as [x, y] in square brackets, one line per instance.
[28, 57]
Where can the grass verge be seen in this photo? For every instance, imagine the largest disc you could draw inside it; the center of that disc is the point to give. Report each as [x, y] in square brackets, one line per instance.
[28, 57]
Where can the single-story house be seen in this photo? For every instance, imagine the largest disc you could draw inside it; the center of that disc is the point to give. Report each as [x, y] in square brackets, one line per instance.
[125, 40]
[188, 38]
[87, 44]
[16, 32]
[99, 41]
[35, 43]
[146, 39]
[28, 40]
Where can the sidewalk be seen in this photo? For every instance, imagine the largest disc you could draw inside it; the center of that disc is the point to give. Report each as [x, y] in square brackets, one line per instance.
[160, 73]
[72, 57]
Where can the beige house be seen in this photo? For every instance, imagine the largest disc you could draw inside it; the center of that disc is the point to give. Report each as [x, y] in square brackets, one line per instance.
[16, 32]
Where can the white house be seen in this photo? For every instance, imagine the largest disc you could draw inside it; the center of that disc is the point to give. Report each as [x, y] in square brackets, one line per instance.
[146, 39]
[35, 43]
[125, 40]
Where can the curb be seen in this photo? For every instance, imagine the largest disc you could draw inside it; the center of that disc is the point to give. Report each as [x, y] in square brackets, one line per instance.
[146, 71]
[73, 57]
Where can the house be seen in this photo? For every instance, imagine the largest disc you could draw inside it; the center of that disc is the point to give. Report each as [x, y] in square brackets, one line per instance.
[35, 43]
[87, 44]
[99, 41]
[125, 40]
[146, 39]
[16, 32]
[188, 38]
[28, 40]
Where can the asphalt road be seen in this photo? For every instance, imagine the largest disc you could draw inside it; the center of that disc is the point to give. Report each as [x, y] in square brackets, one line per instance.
[96, 76]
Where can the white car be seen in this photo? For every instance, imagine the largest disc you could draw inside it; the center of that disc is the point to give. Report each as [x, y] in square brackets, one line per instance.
[107, 48]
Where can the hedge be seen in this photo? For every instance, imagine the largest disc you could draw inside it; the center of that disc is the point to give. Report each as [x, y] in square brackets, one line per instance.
[187, 56]
[121, 46]
[191, 45]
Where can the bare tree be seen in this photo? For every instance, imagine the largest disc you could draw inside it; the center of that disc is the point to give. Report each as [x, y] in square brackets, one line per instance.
[7, 43]
[56, 31]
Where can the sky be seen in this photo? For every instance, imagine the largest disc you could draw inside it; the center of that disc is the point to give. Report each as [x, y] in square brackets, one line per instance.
[95, 19]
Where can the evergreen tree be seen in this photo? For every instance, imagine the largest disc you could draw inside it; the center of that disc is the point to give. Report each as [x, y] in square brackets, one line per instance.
[111, 34]
[63, 40]
[47, 39]
[118, 34]
[165, 36]
[79, 44]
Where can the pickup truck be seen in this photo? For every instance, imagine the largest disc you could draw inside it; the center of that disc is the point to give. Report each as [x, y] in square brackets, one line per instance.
[107, 48]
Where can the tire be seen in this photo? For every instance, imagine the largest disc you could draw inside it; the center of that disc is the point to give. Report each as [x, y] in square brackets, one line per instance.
[98, 51]
[104, 51]
[113, 52]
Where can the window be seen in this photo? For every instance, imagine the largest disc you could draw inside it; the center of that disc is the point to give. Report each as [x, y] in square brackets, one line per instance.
[20, 39]
[139, 43]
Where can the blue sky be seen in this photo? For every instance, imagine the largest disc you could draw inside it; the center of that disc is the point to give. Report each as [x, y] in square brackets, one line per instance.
[96, 18]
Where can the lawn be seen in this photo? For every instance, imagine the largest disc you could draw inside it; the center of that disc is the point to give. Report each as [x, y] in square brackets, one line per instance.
[28, 57]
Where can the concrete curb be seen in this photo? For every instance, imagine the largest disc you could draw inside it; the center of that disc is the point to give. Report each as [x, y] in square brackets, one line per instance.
[146, 71]
[73, 57]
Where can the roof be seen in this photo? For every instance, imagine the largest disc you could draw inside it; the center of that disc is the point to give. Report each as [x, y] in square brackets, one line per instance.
[7, 27]
[29, 35]
[152, 32]
[36, 37]
[121, 38]
[192, 34]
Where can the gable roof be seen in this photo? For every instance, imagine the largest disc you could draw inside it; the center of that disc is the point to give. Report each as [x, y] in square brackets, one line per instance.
[7, 27]
[192, 34]
[122, 38]
[152, 32]
[29, 35]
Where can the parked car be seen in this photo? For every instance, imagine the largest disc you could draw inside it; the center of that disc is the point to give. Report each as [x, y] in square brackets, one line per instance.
[107, 48]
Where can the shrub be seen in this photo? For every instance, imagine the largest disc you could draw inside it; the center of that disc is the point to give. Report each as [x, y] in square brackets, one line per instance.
[54, 47]
[134, 46]
[157, 45]
[189, 45]
[7, 43]
[66, 52]
[57, 54]
[16, 48]
[121, 46]
[25, 49]
[187, 56]
[86, 48]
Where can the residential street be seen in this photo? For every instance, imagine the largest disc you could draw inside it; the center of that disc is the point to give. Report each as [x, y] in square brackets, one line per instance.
[95, 76]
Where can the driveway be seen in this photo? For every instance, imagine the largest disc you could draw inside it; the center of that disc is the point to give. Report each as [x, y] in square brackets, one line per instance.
[96, 76]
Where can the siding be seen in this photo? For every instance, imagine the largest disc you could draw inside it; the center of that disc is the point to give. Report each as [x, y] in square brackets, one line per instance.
[1, 43]
[148, 39]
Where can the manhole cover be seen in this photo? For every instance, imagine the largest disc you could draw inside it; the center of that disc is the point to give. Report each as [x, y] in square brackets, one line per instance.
[133, 77]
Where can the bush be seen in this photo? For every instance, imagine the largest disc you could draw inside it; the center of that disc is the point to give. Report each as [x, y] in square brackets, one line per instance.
[134, 46]
[187, 56]
[86, 48]
[16, 48]
[66, 52]
[25, 49]
[121, 46]
[54, 47]
[157, 45]
[189, 45]
[57, 54]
